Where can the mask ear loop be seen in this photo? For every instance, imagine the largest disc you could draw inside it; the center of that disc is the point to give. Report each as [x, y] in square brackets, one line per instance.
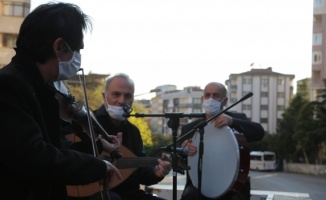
[221, 107]
[62, 48]
[68, 46]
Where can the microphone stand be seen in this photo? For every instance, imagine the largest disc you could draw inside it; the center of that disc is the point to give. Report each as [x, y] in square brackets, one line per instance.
[173, 123]
[200, 128]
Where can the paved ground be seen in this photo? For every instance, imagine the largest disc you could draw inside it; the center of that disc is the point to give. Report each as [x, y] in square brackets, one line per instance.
[166, 191]
[274, 195]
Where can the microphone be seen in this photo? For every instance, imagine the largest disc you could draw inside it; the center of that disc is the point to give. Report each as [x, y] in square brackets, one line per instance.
[183, 151]
[246, 96]
[127, 110]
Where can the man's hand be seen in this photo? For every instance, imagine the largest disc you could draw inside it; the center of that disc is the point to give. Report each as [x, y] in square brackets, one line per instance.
[222, 120]
[192, 149]
[116, 142]
[164, 166]
[112, 171]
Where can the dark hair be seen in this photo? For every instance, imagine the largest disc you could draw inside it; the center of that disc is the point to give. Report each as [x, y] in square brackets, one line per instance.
[48, 22]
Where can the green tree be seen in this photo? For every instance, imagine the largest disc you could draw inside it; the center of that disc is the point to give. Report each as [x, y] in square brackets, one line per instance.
[305, 137]
[310, 131]
[266, 144]
[283, 141]
[285, 129]
[159, 140]
[320, 129]
[141, 124]
[93, 93]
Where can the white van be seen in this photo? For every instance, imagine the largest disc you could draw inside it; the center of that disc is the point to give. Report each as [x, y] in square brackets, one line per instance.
[262, 160]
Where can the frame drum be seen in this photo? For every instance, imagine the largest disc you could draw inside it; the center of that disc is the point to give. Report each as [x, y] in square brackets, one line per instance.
[220, 161]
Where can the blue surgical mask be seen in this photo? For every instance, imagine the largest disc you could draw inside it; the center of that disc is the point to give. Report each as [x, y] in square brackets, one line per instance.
[211, 106]
[68, 69]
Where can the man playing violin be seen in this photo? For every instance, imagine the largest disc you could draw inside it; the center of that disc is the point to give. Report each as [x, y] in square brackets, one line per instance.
[119, 92]
[213, 100]
[33, 163]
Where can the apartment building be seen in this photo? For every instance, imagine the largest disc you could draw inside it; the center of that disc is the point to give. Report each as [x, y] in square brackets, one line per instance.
[272, 93]
[170, 100]
[318, 66]
[12, 14]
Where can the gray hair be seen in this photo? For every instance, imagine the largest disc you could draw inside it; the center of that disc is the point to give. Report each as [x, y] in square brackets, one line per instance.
[119, 75]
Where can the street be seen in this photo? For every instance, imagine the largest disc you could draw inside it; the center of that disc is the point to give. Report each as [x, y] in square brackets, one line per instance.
[278, 182]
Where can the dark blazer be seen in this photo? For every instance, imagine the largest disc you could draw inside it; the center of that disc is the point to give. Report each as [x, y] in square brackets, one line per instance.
[251, 130]
[131, 138]
[33, 164]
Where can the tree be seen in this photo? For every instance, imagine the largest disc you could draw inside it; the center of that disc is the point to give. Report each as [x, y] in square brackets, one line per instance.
[287, 125]
[94, 94]
[285, 129]
[320, 129]
[305, 136]
[310, 132]
[141, 124]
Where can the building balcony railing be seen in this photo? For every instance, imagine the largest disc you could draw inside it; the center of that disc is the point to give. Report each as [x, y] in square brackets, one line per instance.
[233, 87]
[187, 105]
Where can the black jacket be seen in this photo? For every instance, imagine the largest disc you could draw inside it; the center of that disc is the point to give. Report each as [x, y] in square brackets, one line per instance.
[131, 138]
[33, 164]
[252, 131]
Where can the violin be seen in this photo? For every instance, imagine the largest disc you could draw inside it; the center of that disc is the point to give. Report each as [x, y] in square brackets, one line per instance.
[82, 119]
[76, 113]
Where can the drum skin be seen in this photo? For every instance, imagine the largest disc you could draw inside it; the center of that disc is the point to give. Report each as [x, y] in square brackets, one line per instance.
[223, 171]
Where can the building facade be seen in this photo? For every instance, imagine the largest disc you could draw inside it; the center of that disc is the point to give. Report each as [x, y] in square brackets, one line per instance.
[169, 100]
[12, 14]
[318, 66]
[272, 93]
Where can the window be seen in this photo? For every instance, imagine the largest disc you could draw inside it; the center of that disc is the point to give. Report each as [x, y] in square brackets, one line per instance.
[245, 93]
[316, 57]
[233, 99]
[264, 82]
[263, 120]
[280, 95]
[165, 103]
[317, 39]
[246, 107]
[246, 80]
[176, 102]
[280, 81]
[318, 3]
[17, 9]
[196, 101]
[280, 108]
[9, 40]
[269, 157]
[264, 107]
[316, 76]
[264, 94]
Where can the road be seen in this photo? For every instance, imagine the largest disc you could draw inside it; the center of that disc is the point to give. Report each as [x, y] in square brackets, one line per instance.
[315, 186]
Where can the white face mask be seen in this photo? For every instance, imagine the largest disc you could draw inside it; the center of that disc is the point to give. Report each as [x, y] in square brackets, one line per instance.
[211, 106]
[116, 112]
[68, 69]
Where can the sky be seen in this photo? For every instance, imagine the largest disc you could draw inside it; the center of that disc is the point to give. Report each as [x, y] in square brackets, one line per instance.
[193, 42]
